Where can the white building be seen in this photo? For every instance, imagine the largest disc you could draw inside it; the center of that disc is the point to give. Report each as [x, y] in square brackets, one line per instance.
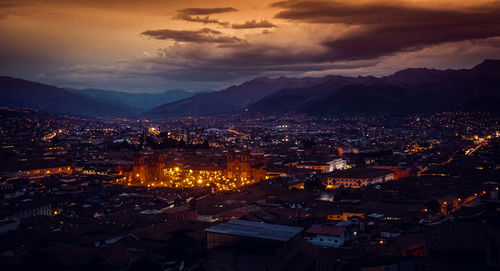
[325, 167]
[329, 236]
[337, 164]
[357, 178]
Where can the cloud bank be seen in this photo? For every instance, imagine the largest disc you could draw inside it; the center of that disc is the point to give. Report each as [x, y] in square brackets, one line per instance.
[200, 36]
[308, 38]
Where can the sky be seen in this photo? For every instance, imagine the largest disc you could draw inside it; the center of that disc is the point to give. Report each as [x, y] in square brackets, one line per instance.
[195, 45]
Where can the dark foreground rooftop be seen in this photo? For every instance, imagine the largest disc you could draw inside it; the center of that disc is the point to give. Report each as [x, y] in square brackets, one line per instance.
[359, 173]
[256, 230]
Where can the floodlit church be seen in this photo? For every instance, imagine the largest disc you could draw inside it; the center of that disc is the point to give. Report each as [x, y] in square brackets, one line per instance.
[145, 170]
[242, 166]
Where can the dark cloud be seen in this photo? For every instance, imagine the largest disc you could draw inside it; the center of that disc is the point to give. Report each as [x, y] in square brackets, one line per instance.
[8, 4]
[192, 15]
[322, 37]
[205, 11]
[198, 19]
[254, 24]
[198, 66]
[385, 40]
[5, 6]
[239, 58]
[198, 36]
[388, 29]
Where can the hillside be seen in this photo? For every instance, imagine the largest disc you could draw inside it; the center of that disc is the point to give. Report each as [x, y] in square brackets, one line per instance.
[22, 93]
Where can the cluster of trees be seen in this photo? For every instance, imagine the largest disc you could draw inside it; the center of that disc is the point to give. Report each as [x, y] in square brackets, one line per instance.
[314, 184]
[163, 141]
[160, 142]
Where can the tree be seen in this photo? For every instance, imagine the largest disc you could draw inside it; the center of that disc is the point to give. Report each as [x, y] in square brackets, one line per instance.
[314, 184]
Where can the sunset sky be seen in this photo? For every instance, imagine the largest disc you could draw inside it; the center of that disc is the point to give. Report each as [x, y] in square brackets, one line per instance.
[152, 46]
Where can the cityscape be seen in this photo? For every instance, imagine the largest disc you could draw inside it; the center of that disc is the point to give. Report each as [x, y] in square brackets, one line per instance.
[357, 191]
[238, 146]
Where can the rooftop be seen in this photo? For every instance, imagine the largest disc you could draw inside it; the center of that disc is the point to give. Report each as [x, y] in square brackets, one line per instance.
[32, 164]
[326, 230]
[456, 236]
[256, 230]
[359, 173]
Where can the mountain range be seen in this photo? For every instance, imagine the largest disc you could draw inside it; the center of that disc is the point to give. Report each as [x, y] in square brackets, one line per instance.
[136, 102]
[406, 91]
[26, 94]
[16, 92]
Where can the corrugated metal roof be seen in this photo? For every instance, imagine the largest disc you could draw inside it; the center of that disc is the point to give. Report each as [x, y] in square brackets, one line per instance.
[359, 173]
[256, 230]
[326, 230]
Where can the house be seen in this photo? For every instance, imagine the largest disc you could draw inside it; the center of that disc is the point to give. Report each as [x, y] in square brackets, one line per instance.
[357, 178]
[329, 236]
[247, 245]
[181, 212]
[344, 216]
[325, 167]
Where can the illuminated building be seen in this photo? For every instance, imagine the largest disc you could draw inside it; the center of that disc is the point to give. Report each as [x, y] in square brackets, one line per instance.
[357, 178]
[41, 167]
[242, 167]
[336, 164]
[46, 171]
[151, 172]
[344, 216]
[144, 171]
[399, 173]
[450, 203]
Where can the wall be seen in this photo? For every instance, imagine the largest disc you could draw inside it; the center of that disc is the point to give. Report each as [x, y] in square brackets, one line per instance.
[326, 240]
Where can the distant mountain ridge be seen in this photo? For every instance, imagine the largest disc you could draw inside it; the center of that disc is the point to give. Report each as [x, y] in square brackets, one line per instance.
[136, 102]
[231, 99]
[22, 93]
[406, 91]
